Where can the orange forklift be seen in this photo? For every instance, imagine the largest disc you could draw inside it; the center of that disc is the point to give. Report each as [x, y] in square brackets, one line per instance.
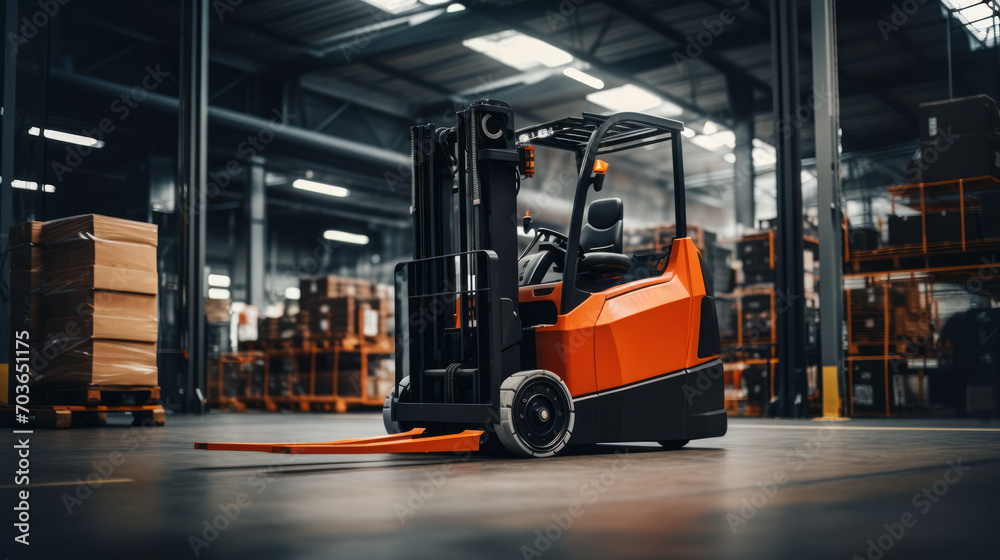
[569, 342]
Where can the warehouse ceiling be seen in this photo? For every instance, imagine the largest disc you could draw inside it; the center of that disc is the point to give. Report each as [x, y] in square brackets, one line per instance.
[352, 70]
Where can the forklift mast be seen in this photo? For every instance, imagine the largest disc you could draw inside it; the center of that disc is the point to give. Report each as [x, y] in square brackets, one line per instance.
[457, 301]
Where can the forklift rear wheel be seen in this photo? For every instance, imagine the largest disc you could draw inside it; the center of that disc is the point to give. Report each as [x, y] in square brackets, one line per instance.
[536, 414]
[395, 427]
[674, 444]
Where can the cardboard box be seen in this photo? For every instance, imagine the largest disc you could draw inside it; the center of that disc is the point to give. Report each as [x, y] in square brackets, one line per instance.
[81, 361]
[78, 253]
[106, 303]
[100, 278]
[109, 327]
[217, 310]
[326, 287]
[91, 226]
[333, 316]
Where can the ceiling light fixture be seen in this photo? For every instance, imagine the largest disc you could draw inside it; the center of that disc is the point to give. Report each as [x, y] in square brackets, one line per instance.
[518, 50]
[393, 6]
[66, 137]
[584, 78]
[625, 98]
[321, 188]
[345, 237]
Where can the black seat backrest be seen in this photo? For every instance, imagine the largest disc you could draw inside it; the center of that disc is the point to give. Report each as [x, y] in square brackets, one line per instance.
[603, 230]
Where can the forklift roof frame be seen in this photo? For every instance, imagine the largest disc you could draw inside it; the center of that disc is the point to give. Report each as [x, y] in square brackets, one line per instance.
[588, 137]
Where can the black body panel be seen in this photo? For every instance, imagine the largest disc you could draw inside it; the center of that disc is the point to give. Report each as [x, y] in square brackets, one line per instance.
[688, 404]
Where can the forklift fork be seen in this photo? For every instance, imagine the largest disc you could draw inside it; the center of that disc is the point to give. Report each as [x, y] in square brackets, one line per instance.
[407, 442]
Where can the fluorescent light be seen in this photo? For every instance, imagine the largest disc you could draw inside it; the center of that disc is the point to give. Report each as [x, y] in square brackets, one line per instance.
[321, 188]
[625, 98]
[293, 293]
[31, 186]
[708, 142]
[456, 7]
[345, 237]
[688, 132]
[729, 158]
[218, 293]
[977, 12]
[219, 280]
[518, 50]
[762, 156]
[67, 137]
[710, 127]
[393, 6]
[726, 137]
[584, 78]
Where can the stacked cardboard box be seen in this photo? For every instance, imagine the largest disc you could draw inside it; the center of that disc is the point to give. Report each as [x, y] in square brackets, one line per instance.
[98, 281]
[326, 287]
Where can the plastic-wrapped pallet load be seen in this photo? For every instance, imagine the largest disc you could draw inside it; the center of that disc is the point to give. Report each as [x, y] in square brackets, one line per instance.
[98, 279]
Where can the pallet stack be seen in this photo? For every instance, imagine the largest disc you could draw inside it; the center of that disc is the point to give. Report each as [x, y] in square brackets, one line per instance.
[91, 307]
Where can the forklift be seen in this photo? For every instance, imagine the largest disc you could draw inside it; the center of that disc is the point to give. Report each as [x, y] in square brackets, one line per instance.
[569, 342]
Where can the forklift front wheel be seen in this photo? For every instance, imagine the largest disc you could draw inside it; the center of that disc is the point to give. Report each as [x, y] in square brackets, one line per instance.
[536, 414]
[389, 408]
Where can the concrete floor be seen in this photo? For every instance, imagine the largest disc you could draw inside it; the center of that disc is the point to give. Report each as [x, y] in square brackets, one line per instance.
[840, 483]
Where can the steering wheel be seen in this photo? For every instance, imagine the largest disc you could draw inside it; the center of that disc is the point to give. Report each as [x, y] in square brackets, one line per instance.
[554, 242]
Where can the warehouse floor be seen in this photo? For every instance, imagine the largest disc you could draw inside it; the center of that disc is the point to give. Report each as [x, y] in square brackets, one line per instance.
[838, 484]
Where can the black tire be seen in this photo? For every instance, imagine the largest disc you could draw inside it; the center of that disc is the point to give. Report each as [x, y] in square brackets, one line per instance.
[536, 414]
[391, 427]
[674, 444]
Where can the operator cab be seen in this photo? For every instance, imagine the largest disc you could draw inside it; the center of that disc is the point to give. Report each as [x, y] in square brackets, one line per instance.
[602, 262]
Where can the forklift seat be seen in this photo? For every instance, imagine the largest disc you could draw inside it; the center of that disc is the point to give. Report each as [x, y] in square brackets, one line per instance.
[603, 230]
[601, 239]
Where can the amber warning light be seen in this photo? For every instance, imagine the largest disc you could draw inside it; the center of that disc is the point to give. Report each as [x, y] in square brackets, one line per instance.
[527, 161]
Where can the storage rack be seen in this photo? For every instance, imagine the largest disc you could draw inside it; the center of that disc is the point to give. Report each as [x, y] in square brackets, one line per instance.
[942, 254]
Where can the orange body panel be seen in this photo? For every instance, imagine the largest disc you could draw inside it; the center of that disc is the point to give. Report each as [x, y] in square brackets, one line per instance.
[627, 333]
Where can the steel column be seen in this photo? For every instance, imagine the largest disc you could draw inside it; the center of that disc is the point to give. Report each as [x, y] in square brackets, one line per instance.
[7, 172]
[256, 206]
[193, 174]
[790, 396]
[741, 102]
[827, 118]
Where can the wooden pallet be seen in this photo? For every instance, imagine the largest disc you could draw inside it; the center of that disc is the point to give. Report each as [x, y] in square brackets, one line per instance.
[66, 416]
[110, 395]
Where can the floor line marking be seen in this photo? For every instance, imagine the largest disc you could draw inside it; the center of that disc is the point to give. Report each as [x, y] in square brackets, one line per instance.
[868, 428]
[72, 483]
